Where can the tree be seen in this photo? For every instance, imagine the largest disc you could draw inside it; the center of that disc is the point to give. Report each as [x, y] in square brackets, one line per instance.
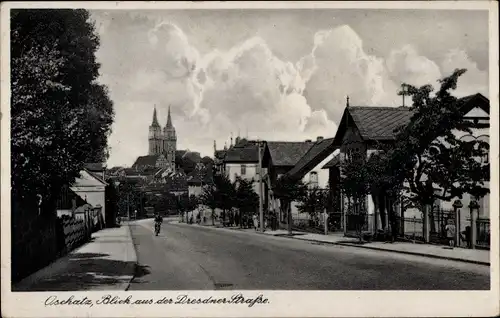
[430, 157]
[287, 189]
[384, 186]
[313, 201]
[226, 194]
[247, 200]
[186, 204]
[209, 197]
[60, 115]
[355, 184]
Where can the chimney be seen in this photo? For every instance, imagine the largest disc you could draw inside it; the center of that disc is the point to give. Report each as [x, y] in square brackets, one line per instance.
[319, 138]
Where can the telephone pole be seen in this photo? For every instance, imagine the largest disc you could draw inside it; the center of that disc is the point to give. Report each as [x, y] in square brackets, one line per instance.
[261, 210]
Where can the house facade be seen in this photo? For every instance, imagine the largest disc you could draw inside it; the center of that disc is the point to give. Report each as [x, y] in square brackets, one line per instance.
[242, 160]
[308, 169]
[363, 130]
[91, 189]
[279, 157]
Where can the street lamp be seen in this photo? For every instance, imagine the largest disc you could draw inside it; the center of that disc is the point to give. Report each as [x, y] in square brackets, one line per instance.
[473, 206]
[457, 205]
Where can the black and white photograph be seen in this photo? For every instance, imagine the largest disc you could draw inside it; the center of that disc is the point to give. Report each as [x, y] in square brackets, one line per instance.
[244, 148]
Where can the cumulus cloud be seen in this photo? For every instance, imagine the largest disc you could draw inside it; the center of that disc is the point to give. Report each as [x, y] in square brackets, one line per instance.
[247, 88]
[338, 67]
[405, 65]
[473, 81]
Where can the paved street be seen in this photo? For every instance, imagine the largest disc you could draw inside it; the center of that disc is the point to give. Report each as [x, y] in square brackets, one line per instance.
[193, 257]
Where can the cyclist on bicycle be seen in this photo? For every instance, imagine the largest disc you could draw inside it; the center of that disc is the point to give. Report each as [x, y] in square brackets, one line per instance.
[158, 221]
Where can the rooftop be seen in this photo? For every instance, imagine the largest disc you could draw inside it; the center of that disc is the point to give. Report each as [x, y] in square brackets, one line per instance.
[313, 157]
[287, 153]
[332, 163]
[379, 123]
[244, 151]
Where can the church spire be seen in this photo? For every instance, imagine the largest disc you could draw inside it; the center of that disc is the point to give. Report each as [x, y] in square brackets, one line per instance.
[155, 119]
[169, 119]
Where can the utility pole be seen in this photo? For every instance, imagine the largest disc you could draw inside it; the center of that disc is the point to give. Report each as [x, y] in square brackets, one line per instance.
[261, 210]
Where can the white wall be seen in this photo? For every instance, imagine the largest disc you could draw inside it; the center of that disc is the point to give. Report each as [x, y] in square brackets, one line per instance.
[323, 174]
[234, 169]
[90, 189]
[64, 212]
[195, 190]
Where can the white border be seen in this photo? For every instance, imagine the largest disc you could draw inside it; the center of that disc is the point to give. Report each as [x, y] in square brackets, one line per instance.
[282, 303]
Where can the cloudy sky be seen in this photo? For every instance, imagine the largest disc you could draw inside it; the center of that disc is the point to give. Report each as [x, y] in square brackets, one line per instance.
[273, 74]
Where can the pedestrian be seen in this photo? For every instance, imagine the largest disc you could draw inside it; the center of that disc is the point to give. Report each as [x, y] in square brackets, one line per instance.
[450, 233]
[467, 234]
[394, 232]
[255, 222]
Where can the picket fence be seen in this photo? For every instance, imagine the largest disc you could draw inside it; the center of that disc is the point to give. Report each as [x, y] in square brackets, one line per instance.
[74, 233]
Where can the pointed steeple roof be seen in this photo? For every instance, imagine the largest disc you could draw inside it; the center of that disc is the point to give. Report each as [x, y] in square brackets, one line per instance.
[155, 119]
[169, 119]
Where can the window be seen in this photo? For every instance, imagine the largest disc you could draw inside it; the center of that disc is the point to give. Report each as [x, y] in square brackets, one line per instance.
[243, 170]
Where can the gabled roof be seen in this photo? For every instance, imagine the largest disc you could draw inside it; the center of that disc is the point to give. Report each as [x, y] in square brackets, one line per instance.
[200, 175]
[94, 166]
[220, 154]
[146, 160]
[95, 176]
[114, 170]
[287, 153]
[378, 123]
[244, 152]
[191, 155]
[476, 100]
[332, 163]
[317, 153]
[130, 172]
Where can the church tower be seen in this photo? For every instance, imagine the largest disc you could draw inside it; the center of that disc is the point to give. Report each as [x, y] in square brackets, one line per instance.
[170, 141]
[155, 136]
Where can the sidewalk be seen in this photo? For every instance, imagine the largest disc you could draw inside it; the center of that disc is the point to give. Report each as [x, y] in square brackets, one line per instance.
[107, 262]
[427, 250]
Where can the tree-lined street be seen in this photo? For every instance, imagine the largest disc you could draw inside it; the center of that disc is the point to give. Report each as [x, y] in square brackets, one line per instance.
[194, 257]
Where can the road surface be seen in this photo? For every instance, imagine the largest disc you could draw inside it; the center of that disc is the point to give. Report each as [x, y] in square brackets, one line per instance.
[191, 257]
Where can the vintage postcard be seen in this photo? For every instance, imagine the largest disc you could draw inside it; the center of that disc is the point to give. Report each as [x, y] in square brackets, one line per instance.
[249, 159]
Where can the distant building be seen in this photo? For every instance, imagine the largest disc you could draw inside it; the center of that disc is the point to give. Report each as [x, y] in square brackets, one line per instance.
[162, 149]
[90, 187]
[163, 143]
[242, 160]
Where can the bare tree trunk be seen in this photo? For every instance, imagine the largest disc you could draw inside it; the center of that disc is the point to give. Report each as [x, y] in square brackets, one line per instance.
[426, 233]
[383, 212]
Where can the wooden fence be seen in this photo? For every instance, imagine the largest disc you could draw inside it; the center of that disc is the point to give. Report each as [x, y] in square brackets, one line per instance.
[75, 233]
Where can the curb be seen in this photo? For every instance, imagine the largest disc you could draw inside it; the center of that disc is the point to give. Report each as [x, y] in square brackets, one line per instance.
[133, 267]
[372, 248]
[398, 252]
